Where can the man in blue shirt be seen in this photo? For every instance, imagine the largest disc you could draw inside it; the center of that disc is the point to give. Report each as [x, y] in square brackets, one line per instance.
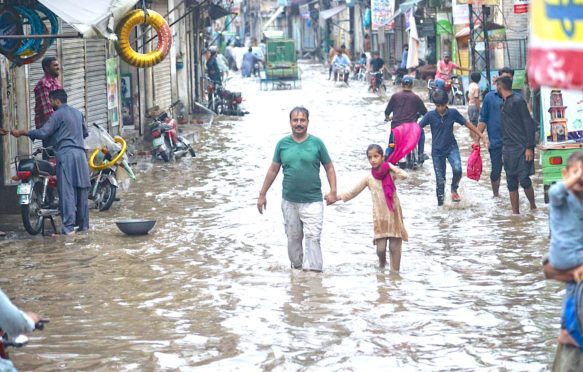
[444, 146]
[66, 128]
[490, 120]
[341, 61]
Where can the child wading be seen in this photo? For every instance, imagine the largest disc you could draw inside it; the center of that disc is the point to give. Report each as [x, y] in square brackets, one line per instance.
[444, 146]
[566, 250]
[386, 209]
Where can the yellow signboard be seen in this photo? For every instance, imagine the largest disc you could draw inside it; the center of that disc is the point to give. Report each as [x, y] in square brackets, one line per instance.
[557, 20]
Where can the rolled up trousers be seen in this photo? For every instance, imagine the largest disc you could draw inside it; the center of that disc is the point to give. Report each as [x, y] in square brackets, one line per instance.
[303, 227]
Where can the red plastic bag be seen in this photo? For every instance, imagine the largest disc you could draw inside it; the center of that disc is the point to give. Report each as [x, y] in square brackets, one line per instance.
[474, 170]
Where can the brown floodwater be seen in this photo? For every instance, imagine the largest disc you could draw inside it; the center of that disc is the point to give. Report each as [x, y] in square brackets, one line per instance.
[210, 287]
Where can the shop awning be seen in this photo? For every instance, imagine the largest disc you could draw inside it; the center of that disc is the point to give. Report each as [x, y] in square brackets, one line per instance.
[329, 13]
[93, 19]
[271, 19]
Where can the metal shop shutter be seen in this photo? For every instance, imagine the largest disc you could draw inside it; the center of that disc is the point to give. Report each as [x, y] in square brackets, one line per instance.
[96, 83]
[73, 69]
[162, 77]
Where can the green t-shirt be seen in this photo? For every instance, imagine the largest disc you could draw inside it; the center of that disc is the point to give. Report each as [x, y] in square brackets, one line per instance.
[301, 168]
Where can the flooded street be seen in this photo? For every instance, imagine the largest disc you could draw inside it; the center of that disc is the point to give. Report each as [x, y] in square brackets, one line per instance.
[211, 288]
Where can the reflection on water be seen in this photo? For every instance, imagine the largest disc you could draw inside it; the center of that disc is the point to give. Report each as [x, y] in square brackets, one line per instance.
[211, 286]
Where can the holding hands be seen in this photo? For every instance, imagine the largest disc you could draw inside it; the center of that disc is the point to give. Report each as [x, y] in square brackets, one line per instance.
[331, 198]
[3, 132]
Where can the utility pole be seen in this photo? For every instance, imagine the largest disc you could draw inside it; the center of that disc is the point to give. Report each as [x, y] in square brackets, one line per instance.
[479, 47]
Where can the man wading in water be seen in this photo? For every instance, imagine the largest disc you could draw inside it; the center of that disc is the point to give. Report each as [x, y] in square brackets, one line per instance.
[303, 210]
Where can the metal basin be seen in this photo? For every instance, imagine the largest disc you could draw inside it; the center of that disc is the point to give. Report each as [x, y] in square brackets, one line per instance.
[135, 227]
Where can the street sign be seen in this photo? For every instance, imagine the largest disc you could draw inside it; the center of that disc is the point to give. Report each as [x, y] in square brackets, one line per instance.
[556, 44]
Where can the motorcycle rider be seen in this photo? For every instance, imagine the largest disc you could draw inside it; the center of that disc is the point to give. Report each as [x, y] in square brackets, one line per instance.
[444, 70]
[406, 107]
[341, 61]
[377, 64]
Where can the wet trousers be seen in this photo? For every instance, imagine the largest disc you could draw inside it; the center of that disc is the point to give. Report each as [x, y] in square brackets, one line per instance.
[73, 205]
[454, 159]
[303, 227]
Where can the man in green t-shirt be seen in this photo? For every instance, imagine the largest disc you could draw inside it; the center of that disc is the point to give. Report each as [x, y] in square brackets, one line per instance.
[303, 210]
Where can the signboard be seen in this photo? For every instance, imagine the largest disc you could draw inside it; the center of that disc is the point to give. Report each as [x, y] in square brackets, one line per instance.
[382, 11]
[562, 115]
[479, 2]
[521, 6]
[556, 44]
[112, 91]
[460, 12]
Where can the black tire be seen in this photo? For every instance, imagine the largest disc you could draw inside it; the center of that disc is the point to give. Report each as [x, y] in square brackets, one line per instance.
[105, 195]
[382, 90]
[546, 194]
[31, 216]
[450, 97]
[191, 151]
[164, 155]
[169, 149]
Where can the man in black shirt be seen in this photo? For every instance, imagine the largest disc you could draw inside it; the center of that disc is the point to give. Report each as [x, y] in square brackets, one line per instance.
[518, 141]
[376, 65]
[406, 107]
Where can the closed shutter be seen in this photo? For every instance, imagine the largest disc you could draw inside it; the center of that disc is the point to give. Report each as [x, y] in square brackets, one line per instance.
[162, 74]
[73, 69]
[96, 82]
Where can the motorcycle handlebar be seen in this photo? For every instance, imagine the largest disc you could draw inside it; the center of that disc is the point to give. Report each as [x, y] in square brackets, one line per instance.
[22, 340]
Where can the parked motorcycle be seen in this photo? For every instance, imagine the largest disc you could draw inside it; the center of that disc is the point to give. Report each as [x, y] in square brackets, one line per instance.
[18, 341]
[223, 101]
[376, 83]
[166, 143]
[453, 87]
[36, 178]
[108, 156]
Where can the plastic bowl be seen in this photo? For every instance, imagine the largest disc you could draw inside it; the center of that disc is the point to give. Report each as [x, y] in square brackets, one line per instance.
[135, 227]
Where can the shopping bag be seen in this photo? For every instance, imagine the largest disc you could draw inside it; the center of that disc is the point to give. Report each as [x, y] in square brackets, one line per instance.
[474, 170]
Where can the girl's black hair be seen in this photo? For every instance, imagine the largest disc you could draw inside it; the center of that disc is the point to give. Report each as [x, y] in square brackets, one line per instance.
[375, 147]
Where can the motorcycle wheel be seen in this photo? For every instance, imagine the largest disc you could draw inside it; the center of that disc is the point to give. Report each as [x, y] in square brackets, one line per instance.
[31, 213]
[381, 90]
[459, 100]
[191, 151]
[169, 150]
[104, 195]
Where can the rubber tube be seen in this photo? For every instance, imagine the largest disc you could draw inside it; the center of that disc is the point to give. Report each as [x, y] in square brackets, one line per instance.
[124, 48]
[113, 161]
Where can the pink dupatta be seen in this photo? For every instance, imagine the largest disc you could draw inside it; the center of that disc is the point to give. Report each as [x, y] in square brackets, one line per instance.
[384, 174]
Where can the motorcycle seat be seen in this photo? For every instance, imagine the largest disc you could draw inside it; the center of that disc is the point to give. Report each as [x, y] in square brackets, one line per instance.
[47, 167]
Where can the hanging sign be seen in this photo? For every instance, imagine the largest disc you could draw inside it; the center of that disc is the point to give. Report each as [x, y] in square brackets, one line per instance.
[382, 12]
[556, 44]
[521, 6]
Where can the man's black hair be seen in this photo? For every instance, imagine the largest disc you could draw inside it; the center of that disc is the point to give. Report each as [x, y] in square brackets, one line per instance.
[46, 63]
[476, 77]
[505, 82]
[506, 70]
[301, 109]
[574, 158]
[59, 94]
[440, 97]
